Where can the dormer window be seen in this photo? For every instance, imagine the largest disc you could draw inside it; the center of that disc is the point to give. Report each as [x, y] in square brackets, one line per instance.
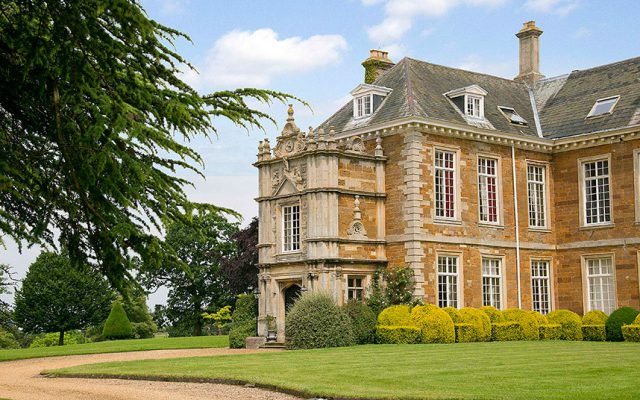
[367, 99]
[513, 117]
[474, 106]
[469, 101]
[603, 106]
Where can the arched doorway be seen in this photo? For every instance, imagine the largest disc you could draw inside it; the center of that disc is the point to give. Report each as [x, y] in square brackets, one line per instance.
[291, 294]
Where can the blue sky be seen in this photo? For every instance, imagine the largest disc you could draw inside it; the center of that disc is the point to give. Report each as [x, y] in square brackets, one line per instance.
[313, 50]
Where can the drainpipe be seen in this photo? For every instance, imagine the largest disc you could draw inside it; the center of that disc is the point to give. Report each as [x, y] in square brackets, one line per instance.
[515, 208]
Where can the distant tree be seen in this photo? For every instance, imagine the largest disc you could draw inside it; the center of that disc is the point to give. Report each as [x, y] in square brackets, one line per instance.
[159, 316]
[201, 245]
[57, 297]
[241, 268]
[5, 286]
[135, 305]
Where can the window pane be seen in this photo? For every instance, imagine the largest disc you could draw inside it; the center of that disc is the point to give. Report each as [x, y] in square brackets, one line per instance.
[597, 203]
[448, 281]
[601, 284]
[445, 184]
[491, 282]
[291, 228]
[488, 190]
[540, 287]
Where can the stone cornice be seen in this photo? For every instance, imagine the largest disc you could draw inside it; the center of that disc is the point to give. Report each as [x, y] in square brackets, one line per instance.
[330, 152]
[324, 190]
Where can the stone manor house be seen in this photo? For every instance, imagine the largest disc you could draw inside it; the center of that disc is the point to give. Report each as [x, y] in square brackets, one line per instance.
[511, 193]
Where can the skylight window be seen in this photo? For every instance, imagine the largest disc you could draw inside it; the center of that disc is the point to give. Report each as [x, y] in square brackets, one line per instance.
[603, 106]
[512, 116]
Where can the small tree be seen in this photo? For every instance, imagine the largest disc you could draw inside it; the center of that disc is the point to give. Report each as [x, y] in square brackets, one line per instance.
[392, 287]
[135, 305]
[220, 318]
[57, 296]
[118, 325]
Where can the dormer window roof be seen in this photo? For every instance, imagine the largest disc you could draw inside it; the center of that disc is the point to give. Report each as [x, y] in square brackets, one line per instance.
[603, 106]
[469, 100]
[367, 98]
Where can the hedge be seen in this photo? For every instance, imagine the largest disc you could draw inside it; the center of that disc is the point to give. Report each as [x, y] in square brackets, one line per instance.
[631, 333]
[435, 324]
[506, 331]
[528, 323]
[465, 332]
[399, 315]
[595, 317]
[493, 313]
[621, 316]
[243, 321]
[239, 332]
[479, 320]
[363, 321]
[398, 334]
[550, 331]
[7, 340]
[594, 333]
[570, 321]
[542, 319]
[453, 313]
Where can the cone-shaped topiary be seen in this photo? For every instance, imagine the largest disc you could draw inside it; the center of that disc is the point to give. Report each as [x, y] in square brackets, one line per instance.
[621, 316]
[528, 322]
[479, 319]
[117, 325]
[399, 315]
[363, 321]
[493, 313]
[316, 321]
[570, 322]
[435, 324]
[594, 317]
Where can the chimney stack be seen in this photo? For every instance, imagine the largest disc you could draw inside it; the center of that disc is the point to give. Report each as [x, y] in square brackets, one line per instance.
[529, 53]
[376, 65]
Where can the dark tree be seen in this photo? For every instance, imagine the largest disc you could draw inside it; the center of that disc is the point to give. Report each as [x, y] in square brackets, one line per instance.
[57, 297]
[201, 245]
[92, 110]
[5, 286]
[241, 269]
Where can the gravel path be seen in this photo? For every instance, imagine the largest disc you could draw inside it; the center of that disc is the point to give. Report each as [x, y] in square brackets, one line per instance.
[21, 380]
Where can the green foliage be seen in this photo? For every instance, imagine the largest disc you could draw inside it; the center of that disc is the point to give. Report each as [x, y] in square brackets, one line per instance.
[435, 324]
[453, 313]
[493, 313]
[220, 318]
[386, 334]
[480, 322]
[506, 331]
[363, 321]
[595, 317]
[51, 339]
[594, 333]
[315, 321]
[466, 333]
[117, 325]
[135, 305]
[201, 245]
[541, 319]
[241, 268]
[392, 287]
[528, 322]
[398, 315]
[571, 324]
[243, 320]
[370, 68]
[618, 318]
[5, 309]
[93, 115]
[550, 332]
[7, 340]
[631, 333]
[57, 296]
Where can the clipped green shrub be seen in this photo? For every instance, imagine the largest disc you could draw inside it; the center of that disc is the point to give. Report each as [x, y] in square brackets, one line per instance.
[595, 317]
[8, 341]
[528, 322]
[594, 333]
[631, 333]
[479, 319]
[386, 334]
[399, 315]
[550, 331]
[621, 316]
[52, 339]
[117, 325]
[453, 313]
[243, 321]
[315, 321]
[571, 324]
[363, 321]
[465, 332]
[435, 324]
[542, 319]
[506, 331]
[493, 313]
[143, 330]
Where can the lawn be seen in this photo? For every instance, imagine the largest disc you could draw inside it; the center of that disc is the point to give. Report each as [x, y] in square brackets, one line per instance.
[500, 370]
[116, 346]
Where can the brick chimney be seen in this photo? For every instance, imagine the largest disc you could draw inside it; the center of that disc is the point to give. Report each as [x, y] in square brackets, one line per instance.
[529, 53]
[376, 65]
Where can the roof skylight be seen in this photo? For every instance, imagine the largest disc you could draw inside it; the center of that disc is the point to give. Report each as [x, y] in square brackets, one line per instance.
[513, 116]
[603, 106]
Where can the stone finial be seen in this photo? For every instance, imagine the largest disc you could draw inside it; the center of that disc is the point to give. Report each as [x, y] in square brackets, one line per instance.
[266, 149]
[332, 137]
[357, 214]
[356, 228]
[260, 150]
[311, 142]
[290, 112]
[378, 151]
[322, 139]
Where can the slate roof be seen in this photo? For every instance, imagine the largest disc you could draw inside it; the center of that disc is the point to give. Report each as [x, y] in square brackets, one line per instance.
[562, 103]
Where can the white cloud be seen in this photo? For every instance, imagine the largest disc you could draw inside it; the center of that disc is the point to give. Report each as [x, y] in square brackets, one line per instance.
[560, 7]
[400, 14]
[254, 58]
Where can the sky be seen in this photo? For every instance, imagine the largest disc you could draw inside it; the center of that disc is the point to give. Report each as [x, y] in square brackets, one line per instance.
[313, 50]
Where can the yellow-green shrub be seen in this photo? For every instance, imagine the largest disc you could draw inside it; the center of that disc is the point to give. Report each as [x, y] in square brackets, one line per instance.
[506, 331]
[542, 319]
[594, 333]
[631, 333]
[595, 317]
[528, 322]
[386, 334]
[465, 332]
[570, 321]
[435, 324]
[479, 319]
[399, 315]
[493, 313]
[453, 313]
[550, 331]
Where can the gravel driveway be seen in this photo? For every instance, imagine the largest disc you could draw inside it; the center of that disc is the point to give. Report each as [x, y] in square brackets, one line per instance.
[21, 380]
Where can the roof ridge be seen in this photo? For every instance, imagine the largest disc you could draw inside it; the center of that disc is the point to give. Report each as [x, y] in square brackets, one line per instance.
[605, 65]
[407, 79]
[466, 70]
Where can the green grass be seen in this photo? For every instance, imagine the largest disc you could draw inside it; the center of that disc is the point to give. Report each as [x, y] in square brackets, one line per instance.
[116, 346]
[501, 370]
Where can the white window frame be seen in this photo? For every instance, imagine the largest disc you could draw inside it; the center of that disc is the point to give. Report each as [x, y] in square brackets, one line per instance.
[586, 284]
[457, 275]
[636, 182]
[294, 245]
[582, 186]
[355, 289]
[542, 278]
[545, 194]
[602, 100]
[498, 185]
[477, 109]
[359, 110]
[500, 276]
[456, 184]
